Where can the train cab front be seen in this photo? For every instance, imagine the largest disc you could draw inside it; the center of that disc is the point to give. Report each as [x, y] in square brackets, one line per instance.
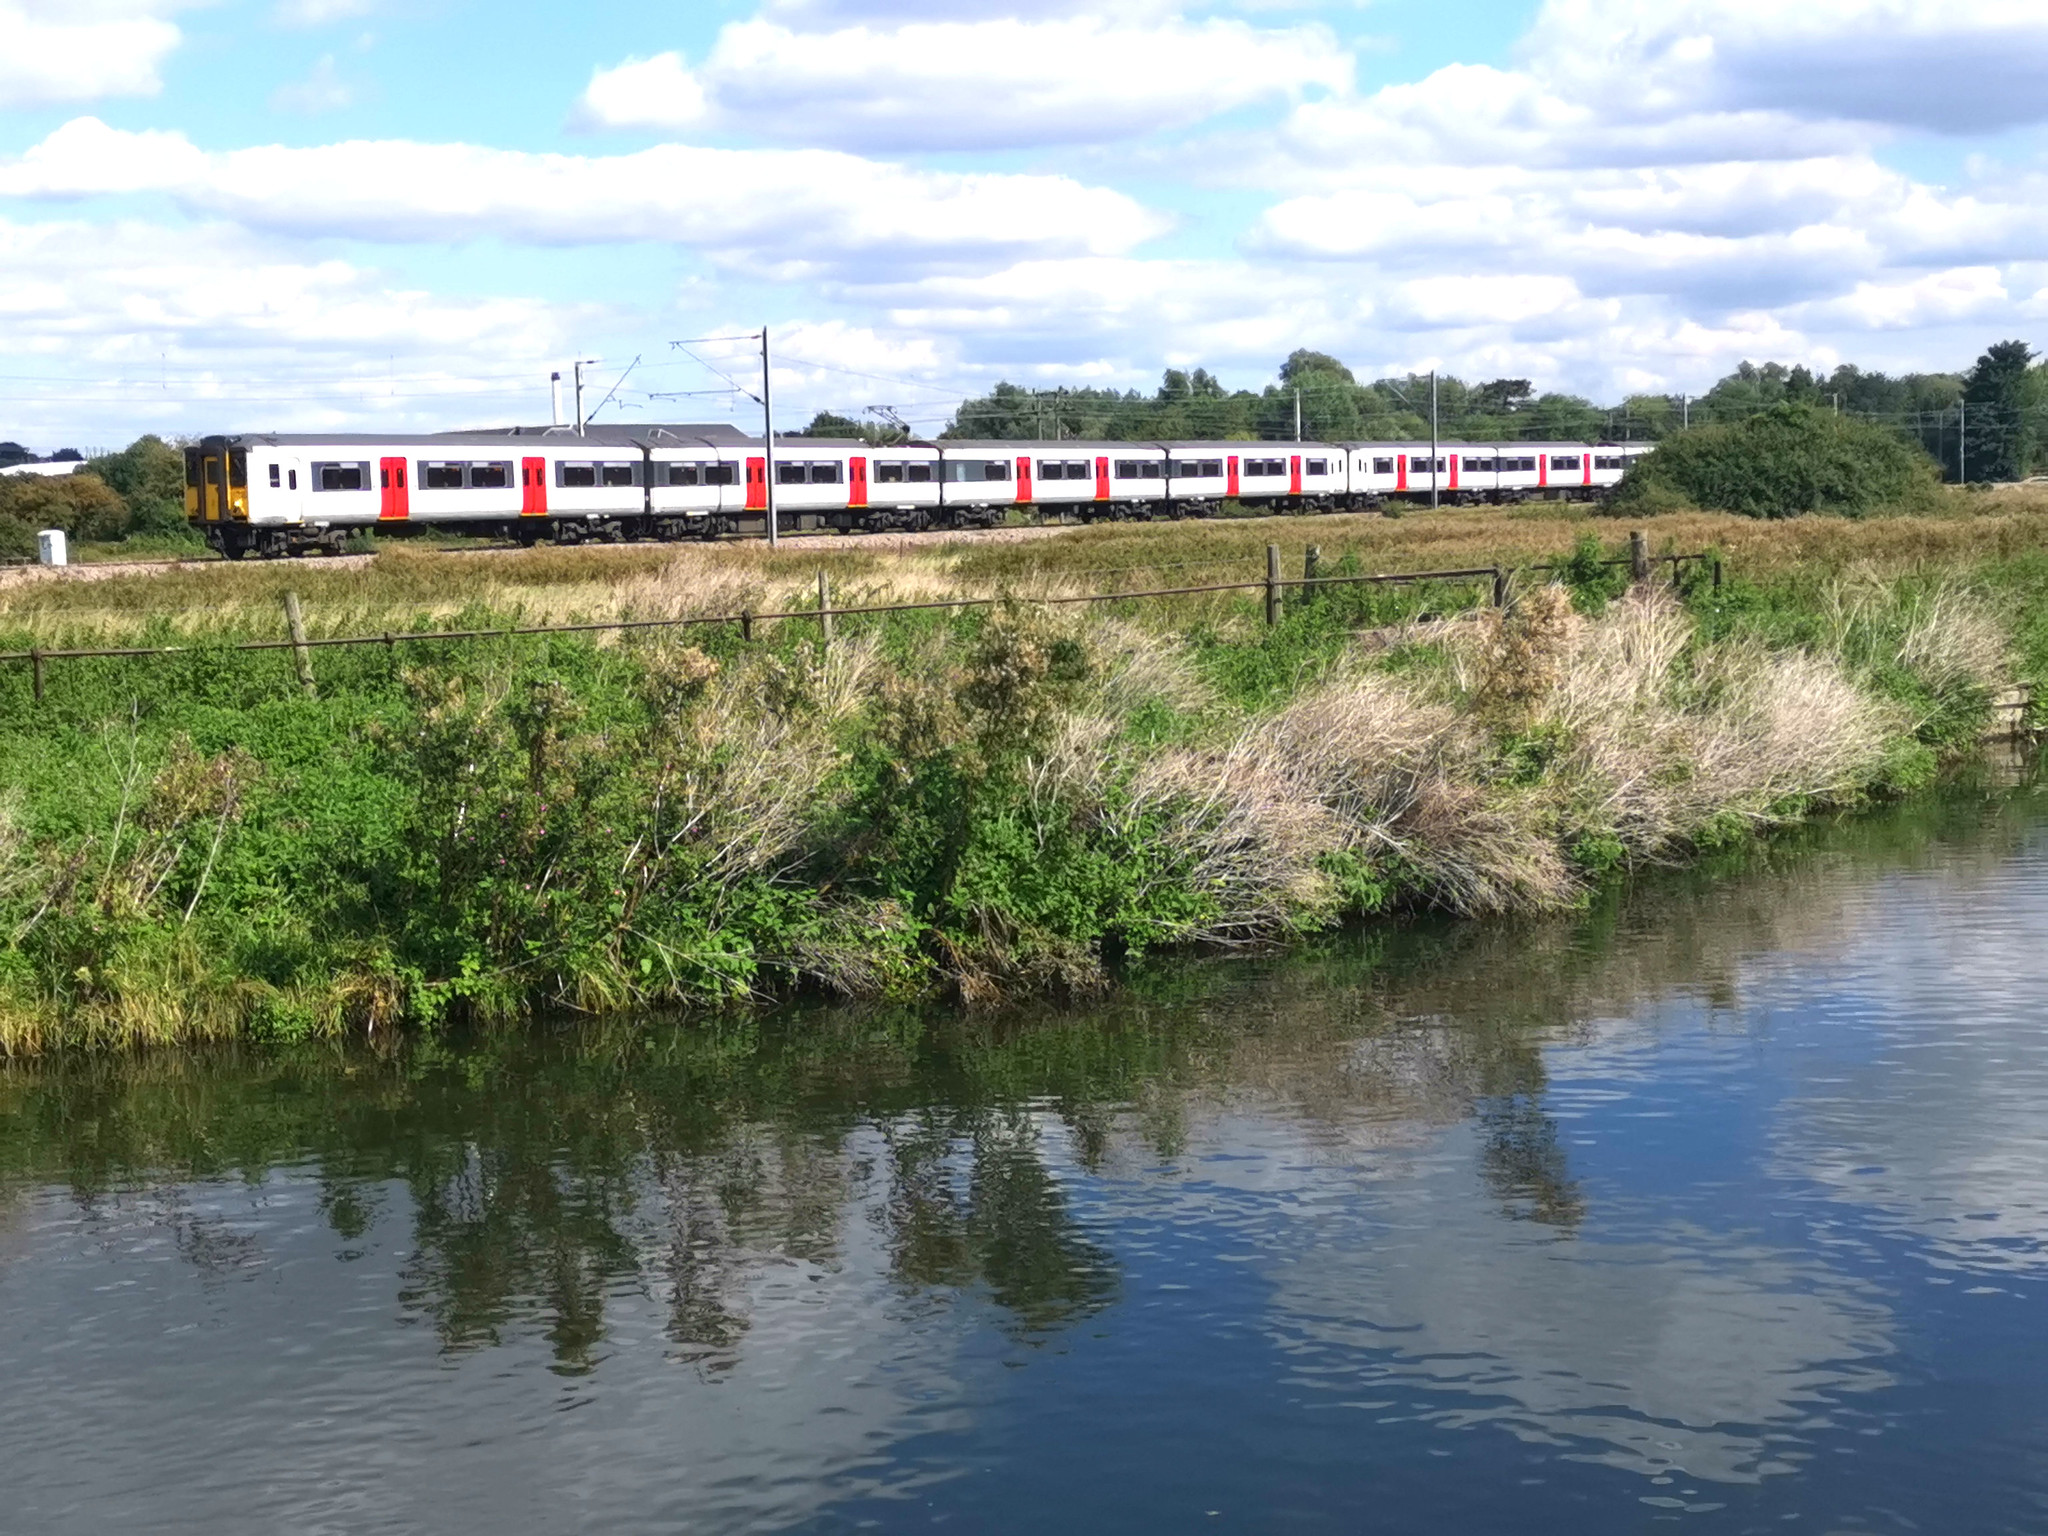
[217, 493]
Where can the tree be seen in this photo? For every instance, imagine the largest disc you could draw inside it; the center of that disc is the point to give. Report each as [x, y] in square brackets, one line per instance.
[1303, 361]
[149, 476]
[1503, 397]
[81, 504]
[832, 424]
[1998, 433]
[1782, 462]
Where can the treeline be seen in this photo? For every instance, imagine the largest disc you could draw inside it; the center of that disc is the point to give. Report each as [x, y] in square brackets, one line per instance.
[1985, 423]
[138, 491]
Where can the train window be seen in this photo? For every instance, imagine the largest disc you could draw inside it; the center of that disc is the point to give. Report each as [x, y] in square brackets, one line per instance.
[1383, 466]
[340, 477]
[576, 475]
[1138, 469]
[1316, 467]
[1478, 466]
[1564, 461]
[920, 473]
[1602, 461]
[721, 474]
[1196, 469]
[1265, 466]
[620, 474]
[891, 473]
[490, 477]
[1426, 466]
[192, 469]
[996, 469]
[789, 474]
[682, 474]
[440, 477]
[238, 470]
[276, 477]
[293, 477]
[826, 474]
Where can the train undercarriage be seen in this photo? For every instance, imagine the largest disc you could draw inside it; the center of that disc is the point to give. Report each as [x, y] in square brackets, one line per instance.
[240, 541]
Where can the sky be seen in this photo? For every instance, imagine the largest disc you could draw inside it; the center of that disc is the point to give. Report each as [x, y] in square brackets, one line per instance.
[255, 215]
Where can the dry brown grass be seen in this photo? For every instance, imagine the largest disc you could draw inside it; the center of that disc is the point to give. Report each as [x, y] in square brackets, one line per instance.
[404, 582]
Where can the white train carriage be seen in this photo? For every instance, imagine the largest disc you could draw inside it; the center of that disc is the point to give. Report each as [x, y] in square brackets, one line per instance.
[1295, 477]
[275, 494]
[980, 482]
[1375, 472]
[1201, 476]
[1065, 476]
[691, 481]
[900, 487]
[1137, 481]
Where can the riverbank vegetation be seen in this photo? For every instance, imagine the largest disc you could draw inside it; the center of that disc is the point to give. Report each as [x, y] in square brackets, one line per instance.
[980, 804]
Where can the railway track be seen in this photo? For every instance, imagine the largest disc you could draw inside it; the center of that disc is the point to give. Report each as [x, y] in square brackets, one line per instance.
[102, 570]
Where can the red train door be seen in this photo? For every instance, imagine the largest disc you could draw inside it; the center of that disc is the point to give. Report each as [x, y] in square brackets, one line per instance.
[1102, 479]
[757, 485]
[1401, 471]
[533, 487]
[1023, 481]
[391, 484]
[1587, 460]
[1542, 469]
[1294, 475]
[1454, 472]
[1230, 485]
[856, 482]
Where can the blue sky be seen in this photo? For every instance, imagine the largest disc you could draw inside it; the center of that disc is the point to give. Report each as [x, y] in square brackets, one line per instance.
[308, 213]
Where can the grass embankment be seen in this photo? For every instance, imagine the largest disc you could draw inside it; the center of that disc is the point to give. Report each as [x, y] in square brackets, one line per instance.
[424, 580]
[986, 802]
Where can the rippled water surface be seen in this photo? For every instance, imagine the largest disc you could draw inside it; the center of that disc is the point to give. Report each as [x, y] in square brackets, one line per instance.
[1724, 1205]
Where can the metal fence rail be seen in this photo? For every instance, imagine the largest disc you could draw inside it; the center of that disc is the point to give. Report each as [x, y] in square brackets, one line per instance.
[1273, 585]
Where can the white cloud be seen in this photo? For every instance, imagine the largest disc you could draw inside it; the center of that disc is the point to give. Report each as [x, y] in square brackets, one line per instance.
[792, 213]
[182, 328]
[55, 51]
[1960, 66]
[644, 93]
[323, 90]
[998, 82]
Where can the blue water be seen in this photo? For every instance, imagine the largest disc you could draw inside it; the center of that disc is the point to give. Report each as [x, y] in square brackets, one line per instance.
[1723, 1206]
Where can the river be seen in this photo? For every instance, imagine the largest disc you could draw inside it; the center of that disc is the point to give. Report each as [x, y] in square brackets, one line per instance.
[1722, 1205]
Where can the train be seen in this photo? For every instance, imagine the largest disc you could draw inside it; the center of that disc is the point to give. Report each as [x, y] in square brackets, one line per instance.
[283, 494]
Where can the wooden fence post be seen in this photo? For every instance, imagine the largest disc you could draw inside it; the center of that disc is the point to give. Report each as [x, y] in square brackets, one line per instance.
[35, 663]
[1639, 556]
[824, 607]
[1272, 583]
[1500, 587]
[1310, 562]
[746, 625]
[1717, 575]
[302, 658]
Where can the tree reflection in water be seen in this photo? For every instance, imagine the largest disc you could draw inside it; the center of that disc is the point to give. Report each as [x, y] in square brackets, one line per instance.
[542, 1174]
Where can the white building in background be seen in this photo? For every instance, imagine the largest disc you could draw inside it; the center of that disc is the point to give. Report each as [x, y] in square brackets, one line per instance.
[62, 467]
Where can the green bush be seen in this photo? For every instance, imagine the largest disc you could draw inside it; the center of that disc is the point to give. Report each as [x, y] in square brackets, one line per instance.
[83, 505]
[1789, 460]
